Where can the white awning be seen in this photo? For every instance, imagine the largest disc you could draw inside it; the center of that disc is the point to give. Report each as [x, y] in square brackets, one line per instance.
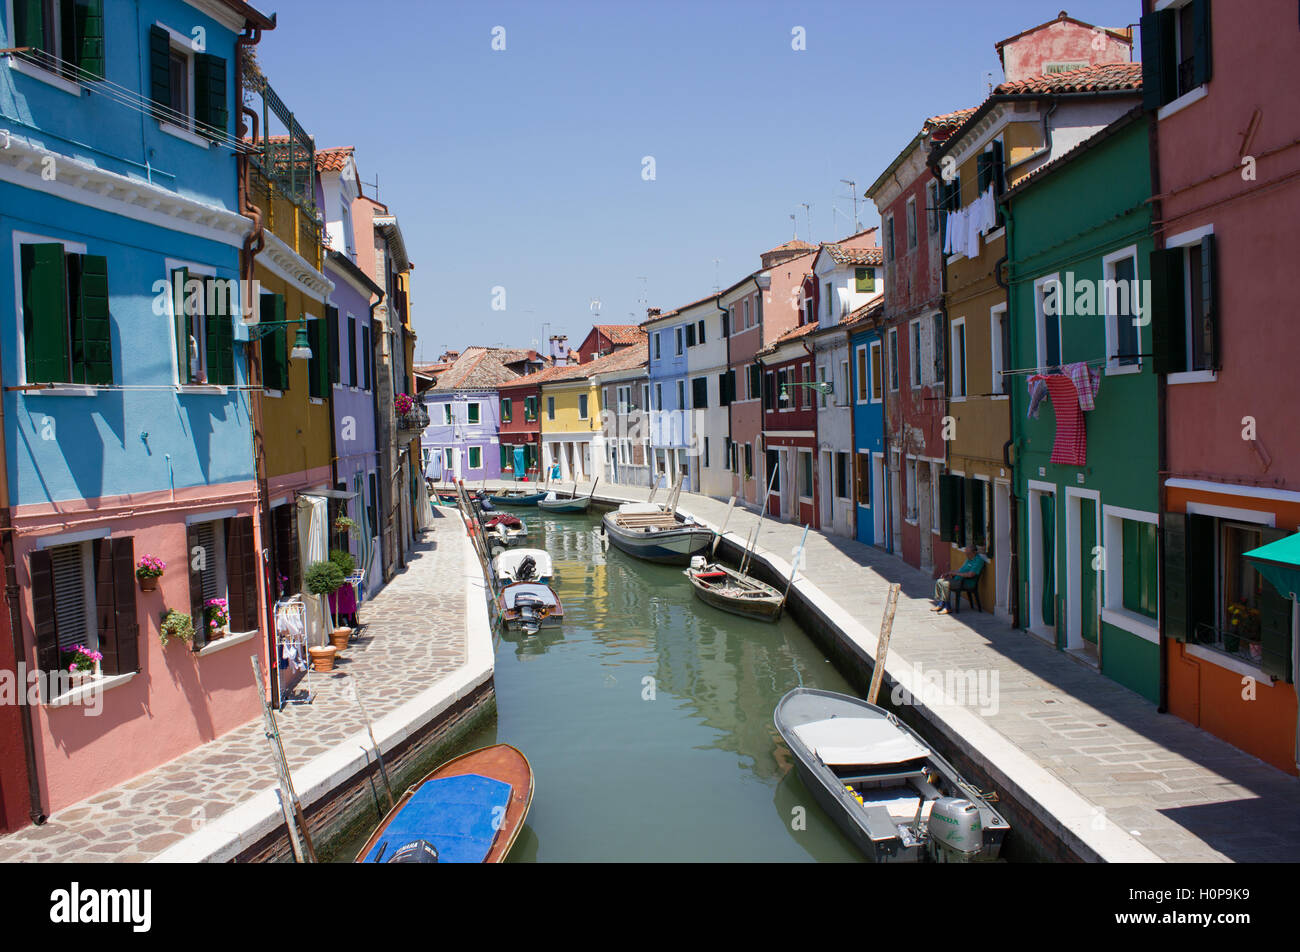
[849, 741]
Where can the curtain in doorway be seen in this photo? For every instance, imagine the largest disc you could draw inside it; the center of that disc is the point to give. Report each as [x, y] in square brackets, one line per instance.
[313, 544]
[1047, 510]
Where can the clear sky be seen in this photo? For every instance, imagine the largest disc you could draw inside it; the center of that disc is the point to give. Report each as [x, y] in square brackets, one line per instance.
[523, 168]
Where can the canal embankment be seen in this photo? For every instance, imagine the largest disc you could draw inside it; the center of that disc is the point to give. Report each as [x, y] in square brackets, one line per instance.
[1087, 769]
[422, 662]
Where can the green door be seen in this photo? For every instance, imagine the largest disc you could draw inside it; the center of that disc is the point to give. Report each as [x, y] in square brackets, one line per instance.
[1047, 512]
[1088, 574]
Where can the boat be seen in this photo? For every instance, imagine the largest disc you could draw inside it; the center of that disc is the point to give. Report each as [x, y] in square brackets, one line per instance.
[469, 810]
[516, 497]
[553, 504]
[732, 591]
[523, 565]
[896, 799]
[529, 606]
[647, 531]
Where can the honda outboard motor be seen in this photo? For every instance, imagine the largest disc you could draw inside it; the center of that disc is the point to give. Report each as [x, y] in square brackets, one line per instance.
[956, 834]
[526, 571]
[417, 851]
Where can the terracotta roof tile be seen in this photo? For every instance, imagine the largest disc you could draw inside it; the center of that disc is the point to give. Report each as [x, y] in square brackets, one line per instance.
[620, 334]
[333, 160]
[948, 120]
[841, 255]
[479, 368]
[1099, 78]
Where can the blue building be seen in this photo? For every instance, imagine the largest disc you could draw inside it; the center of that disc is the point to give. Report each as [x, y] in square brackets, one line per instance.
[869, 388]
[674, 446]
[126, 432]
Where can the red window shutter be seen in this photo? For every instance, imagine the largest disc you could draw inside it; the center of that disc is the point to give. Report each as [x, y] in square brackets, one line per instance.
[41, 569]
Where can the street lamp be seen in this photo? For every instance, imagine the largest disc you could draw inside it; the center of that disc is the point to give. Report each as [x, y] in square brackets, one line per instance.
[823, 388]
[301, 343]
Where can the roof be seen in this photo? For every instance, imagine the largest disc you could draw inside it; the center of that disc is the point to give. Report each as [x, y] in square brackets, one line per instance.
[932, 127]
[625, 359]
[479, 368]
[803, 330]
[334, 160]
[1094, 140]
[864, 314]
[255, 17]
[794, 244]
[1124, 35]
[948, 120]
[620, 334]
[1103, 77]
[677, 310]
[841, 255]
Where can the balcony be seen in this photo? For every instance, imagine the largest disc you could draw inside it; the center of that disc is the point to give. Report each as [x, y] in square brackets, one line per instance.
[413, 421]
[282, 176]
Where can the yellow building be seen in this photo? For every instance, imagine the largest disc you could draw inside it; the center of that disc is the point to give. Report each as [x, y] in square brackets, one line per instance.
[573, 433]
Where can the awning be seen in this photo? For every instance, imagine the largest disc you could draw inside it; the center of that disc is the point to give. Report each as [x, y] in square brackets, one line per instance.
[327, 493]
[1279, 563]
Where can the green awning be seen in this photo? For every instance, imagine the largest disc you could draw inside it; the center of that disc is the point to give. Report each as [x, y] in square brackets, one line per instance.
[1279, 563]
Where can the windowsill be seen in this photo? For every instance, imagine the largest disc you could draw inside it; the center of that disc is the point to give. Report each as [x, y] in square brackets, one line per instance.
[82, 691]
[1118, 370]
[202, 388]
[807, 499]
[184, 134]
[63, 390]
[955, 398]
[952, 259]
[316, 401]
[912, 522]
[41, 74]
[999, 396]
[1183, 101]
[995, 234]
[1225, 660]
[1192, 376]
[1140, 625]
[229, 641]
[277, 394]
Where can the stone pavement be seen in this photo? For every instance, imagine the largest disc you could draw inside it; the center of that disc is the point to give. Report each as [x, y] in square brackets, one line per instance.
[1177, 790]
[412, 634]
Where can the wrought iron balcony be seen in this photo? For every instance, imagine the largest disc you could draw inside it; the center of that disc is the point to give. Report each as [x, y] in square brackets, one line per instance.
[416, 418]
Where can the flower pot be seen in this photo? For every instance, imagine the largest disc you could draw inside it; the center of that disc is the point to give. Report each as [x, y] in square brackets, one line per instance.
[1256, 651]
[149, 583]
[339, 637]
[322, 658]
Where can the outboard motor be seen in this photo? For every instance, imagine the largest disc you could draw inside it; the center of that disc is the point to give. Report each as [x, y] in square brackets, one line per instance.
[417, 851]
[956, 834]
[526, 570]
[697, 563]
[531, 612]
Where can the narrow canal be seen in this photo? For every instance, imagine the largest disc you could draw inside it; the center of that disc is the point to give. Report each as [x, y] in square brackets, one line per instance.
[648, 719]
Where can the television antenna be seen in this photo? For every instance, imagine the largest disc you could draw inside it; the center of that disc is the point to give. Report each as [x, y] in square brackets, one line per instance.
[807, 207]
[853, 190]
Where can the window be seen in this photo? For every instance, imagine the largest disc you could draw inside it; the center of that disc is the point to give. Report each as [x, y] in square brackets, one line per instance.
[1000, 341]
[1047, 319]
[893, 359]
[706, 451]
[679, 334]
[932, 205]
[1175, 52]
[842, 388]
[582, 406]
[681, 395]
[988, 169]
[66, 327]
[658, 342]
[949, 201]
[447, 417]
[755, 381]
[726, 388]
[1123, 307]
[1184, 306]
[914, 352]
[864, 479]
[877, 374]
[821, 378]
[773, 461]
[864, 380]
[353, 378]
[659, 396]
[725, 321]
[913, 512]
[805, 475]
[700, 393]
[911, 223]
[318, 367]
[367, 355]
[550, 408]
[745, 310]
[830, 299]
[506, 409]
[1140, 586]
[476, 457]
[690, 335]
[889, 237]
[749, 460]
[938, 338]
[447, 458]
[530, 409]
[472, 412]
[864, 280]
[187, 88]
[202, 308]
[700, 334]
[959, 357]
[842, 475]
[63, 30]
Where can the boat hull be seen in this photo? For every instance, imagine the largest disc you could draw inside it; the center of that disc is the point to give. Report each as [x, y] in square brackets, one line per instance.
[565, 505]
[529, 499]
[500, 762]
[762, 608]
[665, 546]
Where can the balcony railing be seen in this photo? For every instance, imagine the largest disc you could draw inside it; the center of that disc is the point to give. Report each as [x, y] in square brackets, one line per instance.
[416, 419]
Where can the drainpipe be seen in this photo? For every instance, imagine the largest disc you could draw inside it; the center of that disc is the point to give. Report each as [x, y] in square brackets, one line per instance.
[374, 410]
[12, 595]
[1013, 515]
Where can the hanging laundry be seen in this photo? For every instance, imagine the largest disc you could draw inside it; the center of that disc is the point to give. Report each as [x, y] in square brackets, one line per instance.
[1037, 393]
[973, 231]
[1087, 381]
[1071, 446]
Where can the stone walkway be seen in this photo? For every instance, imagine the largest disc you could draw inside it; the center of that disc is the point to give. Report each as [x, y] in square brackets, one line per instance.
[412, 634]
[1177, 790]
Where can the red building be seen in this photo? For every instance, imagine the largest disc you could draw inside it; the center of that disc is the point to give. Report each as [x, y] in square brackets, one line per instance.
[907, 196]
[15, 800]
[520, 426]
[790, 427]
[606, 338]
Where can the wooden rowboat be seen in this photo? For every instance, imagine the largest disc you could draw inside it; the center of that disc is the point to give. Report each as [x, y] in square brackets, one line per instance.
[513, 498]
[469, 810]
[722, 587]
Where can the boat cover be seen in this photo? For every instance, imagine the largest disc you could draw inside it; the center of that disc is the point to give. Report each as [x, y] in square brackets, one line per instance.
[507, 563]
[849, 741]
[640, 507]
[458, 815]
[533, 589]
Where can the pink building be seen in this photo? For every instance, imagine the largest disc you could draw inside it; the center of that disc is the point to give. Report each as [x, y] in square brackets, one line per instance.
[1223, 321]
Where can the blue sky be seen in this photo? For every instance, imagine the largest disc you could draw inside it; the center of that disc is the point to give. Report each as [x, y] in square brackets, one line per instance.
[522, 168]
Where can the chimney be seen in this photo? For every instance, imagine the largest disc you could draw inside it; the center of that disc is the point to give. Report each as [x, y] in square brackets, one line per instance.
[651, 313]
[560, 349]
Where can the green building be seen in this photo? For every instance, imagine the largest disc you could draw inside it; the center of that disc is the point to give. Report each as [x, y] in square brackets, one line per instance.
[1078, 247]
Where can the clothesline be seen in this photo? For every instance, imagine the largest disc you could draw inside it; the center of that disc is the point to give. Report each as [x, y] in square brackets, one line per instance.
[1094, 362]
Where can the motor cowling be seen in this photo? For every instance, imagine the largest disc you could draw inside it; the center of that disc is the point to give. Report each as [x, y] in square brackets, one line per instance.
[697, 563]
[956, 833]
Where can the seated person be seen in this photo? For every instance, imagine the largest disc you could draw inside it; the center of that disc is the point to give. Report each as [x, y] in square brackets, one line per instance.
[970, 569]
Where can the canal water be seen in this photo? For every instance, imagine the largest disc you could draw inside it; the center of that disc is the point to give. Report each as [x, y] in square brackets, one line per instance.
[647, 718]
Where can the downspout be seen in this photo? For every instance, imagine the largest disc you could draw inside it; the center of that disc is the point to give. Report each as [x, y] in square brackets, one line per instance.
[254, 242]
[1013, 521]
[12, 594]
[374, 410]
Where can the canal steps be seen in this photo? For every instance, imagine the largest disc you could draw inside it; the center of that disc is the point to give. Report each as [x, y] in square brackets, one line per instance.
[1103, 773]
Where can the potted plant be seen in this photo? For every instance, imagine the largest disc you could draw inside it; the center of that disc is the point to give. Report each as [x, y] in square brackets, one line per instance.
[403, 404]
[176, 625]
[345, 524]
[81, 662]
[325, 578]
[322, 657]
[344, 601]
[1243, 625]
[148, 570]
[216, 614]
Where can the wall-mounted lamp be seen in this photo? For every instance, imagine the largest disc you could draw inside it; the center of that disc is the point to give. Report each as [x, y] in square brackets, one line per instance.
[823, 388]
[301, 344]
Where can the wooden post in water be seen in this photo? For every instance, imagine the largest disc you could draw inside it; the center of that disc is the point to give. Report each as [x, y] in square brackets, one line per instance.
[379, 757]
[882, 643]
[718, 538]
[294, 820]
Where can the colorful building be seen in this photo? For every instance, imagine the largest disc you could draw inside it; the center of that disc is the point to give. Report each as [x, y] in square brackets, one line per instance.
[1223, 343]
[126, 432]
[790, 427]
[669, 336]
[907, 197]
[1028, 121]
[867, 393]
[1085, 429]
[604, 339]
[625, 401]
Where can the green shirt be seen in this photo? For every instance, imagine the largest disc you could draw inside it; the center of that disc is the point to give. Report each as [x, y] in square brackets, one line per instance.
[973, 564]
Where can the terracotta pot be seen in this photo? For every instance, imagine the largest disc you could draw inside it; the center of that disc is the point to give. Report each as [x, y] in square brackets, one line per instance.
[339, 637]
[322, 658]
[149, 583]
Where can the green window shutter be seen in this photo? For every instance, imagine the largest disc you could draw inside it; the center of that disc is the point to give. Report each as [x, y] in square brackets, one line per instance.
[1206, 337]
[220, 341]
[90, 331]
[275, 370]
[210, 106]
[983, 173]
[995, 167]
[181, 324]
[950, 489]
[353, 379]
[331, 341]
[160, 71]
[367, 355]
[1275, 621]
[29, 24]
[1167, 311]
[83, 37]
[45, 319]
[316, 365]
[1201, 45]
